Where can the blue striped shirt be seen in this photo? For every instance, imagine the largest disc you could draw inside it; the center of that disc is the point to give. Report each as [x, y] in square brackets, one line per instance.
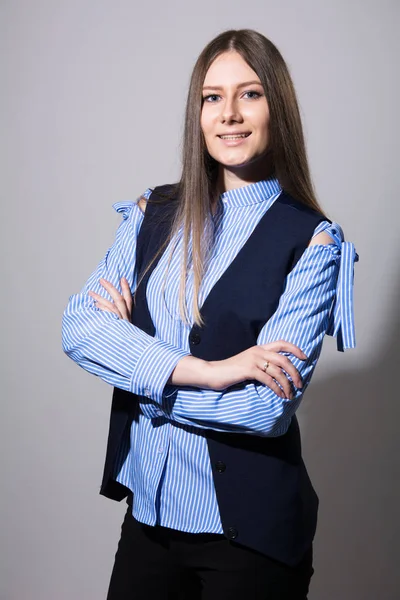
[167, 463]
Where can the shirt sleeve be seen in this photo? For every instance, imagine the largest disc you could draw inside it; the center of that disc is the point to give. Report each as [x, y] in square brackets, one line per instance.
[305, 313]
[341, 321]
[103, 344]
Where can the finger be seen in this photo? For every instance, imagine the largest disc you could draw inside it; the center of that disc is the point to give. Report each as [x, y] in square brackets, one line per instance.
[292, 349]
[119, 301]
[108, 307]
[279, 376]
[115, 311]
[100, 299]
[267, 380]
[127, 294]
[104, 304]
[111, 289]
[283, 346]
[285, 363]
[281, 361]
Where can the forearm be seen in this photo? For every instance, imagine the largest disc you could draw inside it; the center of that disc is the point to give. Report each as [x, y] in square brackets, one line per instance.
[191, 371]
[249, 407]
[116, 350]
[302, 319]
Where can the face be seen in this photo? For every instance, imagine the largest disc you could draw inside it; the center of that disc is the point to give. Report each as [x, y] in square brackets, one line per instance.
[235, 116]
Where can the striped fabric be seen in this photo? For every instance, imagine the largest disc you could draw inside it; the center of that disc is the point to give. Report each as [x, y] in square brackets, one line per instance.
[167, 464]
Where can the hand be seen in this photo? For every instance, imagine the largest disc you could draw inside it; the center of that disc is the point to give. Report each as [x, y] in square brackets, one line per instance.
[122, 303]
[220, 374]
[250, 365]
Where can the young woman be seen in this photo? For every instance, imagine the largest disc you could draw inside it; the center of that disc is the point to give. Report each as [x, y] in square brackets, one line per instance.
[207, 315]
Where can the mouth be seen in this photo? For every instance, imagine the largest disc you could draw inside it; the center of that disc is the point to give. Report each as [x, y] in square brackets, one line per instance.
[234, 136]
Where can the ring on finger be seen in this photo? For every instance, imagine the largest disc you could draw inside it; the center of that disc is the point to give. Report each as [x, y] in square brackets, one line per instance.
[266, 365]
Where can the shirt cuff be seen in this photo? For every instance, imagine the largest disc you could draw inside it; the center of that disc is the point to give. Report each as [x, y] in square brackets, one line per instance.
[153, 370]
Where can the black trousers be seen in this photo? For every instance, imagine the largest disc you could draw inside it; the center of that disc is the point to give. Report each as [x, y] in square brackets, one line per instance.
[161, 563]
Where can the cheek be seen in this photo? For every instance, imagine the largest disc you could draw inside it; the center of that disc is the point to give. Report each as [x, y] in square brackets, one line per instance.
[258, 118]
[206, 124]
[263, 131]
[202, 122]
[264, 125]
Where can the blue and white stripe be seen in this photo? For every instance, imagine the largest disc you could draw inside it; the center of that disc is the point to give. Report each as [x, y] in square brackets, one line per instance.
[167, 465]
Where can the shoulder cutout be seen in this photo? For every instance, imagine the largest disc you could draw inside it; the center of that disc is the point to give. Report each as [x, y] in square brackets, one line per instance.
[142, 203]
[321, 238]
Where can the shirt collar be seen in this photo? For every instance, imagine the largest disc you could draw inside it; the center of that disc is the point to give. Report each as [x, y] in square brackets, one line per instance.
[253, 193]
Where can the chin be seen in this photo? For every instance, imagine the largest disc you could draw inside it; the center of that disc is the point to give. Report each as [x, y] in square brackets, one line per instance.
[240, 161]
[253, 160]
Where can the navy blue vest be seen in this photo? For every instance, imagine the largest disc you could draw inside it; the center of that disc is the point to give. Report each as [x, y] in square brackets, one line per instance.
[264, 493]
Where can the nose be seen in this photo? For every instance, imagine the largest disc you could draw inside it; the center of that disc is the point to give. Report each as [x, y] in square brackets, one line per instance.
[230, 111]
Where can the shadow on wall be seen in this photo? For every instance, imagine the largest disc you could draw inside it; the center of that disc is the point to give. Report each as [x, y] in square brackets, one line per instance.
[352, 450]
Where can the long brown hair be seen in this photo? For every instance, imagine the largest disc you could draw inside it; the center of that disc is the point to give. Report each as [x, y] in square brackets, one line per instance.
[197, 186]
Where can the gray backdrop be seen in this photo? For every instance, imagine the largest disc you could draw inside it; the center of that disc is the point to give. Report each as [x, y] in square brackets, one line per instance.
[92, 106]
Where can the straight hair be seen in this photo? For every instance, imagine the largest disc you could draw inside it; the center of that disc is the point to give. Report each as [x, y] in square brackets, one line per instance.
[196, 189]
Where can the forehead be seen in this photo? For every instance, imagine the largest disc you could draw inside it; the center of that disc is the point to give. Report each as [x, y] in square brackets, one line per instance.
[229, 68]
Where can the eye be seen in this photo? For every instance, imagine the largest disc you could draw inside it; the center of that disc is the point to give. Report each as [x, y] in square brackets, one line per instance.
[253, 94]
[210, 98]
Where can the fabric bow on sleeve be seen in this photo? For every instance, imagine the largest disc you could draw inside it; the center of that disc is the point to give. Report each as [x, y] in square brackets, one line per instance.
[341, 319]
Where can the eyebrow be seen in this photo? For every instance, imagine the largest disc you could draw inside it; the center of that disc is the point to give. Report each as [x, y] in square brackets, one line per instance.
[218, 87]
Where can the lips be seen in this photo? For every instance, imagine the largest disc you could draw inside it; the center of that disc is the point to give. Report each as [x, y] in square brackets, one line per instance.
[236, 135]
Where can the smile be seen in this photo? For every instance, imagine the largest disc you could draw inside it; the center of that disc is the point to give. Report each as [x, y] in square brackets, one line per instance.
[236, 136]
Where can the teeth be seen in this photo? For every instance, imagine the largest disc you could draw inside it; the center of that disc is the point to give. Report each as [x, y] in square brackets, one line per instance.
[233, 137]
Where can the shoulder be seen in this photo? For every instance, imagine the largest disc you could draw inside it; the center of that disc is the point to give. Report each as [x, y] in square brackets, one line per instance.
[321, 238]
[157, 198]
[142, 203]
[129, 208]
[297, 215]
[291, 204]
[328, 233]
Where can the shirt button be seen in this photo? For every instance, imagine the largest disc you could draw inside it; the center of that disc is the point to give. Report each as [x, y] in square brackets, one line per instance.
[160, 450]
[232, 533]
[220, 466]
[147, 392]
[194, 338]
[159, 413]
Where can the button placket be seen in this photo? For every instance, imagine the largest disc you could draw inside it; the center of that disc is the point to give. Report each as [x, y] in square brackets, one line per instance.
[159, 457]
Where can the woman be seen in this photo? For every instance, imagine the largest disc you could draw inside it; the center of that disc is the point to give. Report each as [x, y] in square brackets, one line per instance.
[236, 275]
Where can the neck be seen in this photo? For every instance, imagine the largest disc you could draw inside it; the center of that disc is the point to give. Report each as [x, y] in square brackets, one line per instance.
[230, 178]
